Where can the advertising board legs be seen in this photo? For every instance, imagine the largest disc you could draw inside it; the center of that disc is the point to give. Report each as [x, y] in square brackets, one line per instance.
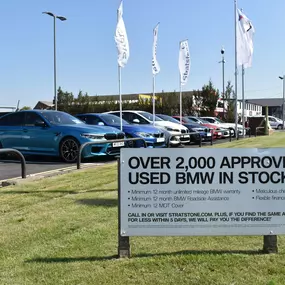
[124, 250]
[270, 244]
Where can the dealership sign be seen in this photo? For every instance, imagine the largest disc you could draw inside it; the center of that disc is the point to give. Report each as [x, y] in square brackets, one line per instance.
[186, 192]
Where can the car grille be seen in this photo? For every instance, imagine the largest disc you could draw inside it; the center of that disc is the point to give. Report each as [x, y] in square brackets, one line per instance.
[184, 139]
[112, 136]
[195, 136]
[183, 131]
[158, 135]
[113, 150]
[96, 149]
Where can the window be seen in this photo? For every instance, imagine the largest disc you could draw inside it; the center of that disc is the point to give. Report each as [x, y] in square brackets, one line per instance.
[32, 118]
[92, 120]
[209, 120]
[82, 118]
[130, 117]
[112, 120]
[14, 119]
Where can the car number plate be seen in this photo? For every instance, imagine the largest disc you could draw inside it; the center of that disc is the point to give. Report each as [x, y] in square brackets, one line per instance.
[160, 140]
[209, 134]
[118, 144]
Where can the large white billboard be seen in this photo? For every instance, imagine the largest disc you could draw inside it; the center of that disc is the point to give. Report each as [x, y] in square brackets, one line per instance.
[205, 191]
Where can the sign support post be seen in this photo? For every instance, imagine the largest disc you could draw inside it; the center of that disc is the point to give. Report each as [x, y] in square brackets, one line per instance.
[270, 244]
[124, 250]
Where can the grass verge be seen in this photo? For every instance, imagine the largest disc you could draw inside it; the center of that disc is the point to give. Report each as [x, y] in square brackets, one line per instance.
[63, 230]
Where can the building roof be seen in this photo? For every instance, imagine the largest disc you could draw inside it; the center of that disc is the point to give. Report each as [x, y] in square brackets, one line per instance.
[270, 102]
[44, 104]
[49, 104]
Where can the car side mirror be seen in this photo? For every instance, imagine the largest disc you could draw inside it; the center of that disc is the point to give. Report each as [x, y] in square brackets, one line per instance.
[136, 121]
[40, 124]
[101, 124]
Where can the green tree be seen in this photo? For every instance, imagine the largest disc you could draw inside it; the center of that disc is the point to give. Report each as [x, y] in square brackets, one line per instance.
[209, 96]
[26, 108]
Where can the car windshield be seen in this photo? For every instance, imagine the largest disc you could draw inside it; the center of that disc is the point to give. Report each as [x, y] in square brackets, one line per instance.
[61, 118]
[220, 121]
[168, 118]
[203, 121]
[149, 116]
[113, 120]
[189, 120]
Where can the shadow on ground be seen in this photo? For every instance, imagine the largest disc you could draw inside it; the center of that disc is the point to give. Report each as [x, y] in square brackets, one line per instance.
[143, 255]
[57, 191]
[98, 202]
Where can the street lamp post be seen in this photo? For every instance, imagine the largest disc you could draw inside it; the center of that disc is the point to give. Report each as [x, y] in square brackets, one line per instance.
[54, 51]
[283, 79]
[223, 79]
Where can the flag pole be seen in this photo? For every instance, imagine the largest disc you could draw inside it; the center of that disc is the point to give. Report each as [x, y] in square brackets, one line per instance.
[236, 70]
[153, 98]
[243, 101]
[120, 95]
[180, 103]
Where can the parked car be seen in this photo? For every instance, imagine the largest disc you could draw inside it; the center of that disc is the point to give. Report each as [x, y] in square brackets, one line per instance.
[196, 129]
[175, 133]
[218, 132]
[218, 122]
[275, 123]
[54, 133]
[153, 136]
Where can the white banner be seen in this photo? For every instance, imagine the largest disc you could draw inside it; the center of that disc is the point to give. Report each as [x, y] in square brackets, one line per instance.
[173, 192]
[245, 33]
[184, 62]
[121, 39]
[155, 65]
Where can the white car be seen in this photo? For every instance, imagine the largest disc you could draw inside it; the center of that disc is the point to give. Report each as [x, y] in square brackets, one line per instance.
[275, 123]
[176, 134]
[218, 122]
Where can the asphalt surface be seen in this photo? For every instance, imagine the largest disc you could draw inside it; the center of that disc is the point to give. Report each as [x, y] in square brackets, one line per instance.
[11, 168]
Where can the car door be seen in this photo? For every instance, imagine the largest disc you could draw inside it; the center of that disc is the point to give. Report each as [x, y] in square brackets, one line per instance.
[38, 138]
[11, 130]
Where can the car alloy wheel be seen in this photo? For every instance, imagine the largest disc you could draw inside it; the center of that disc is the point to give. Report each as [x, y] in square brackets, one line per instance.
[69, 149]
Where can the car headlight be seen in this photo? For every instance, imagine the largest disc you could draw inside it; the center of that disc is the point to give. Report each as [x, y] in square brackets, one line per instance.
[92, 136]
[144, 135]
[169, 129]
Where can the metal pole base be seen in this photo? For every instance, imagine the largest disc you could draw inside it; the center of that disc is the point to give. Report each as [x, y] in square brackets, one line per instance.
[124, 249]
[270, 244]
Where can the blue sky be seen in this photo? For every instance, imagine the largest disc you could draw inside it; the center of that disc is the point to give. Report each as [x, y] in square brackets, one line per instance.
[87, 55]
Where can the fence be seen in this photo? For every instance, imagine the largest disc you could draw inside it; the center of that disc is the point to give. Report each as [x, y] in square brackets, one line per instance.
[22, 158]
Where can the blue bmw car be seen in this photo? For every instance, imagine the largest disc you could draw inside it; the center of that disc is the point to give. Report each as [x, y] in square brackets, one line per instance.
[153, 136]
[54, 133]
